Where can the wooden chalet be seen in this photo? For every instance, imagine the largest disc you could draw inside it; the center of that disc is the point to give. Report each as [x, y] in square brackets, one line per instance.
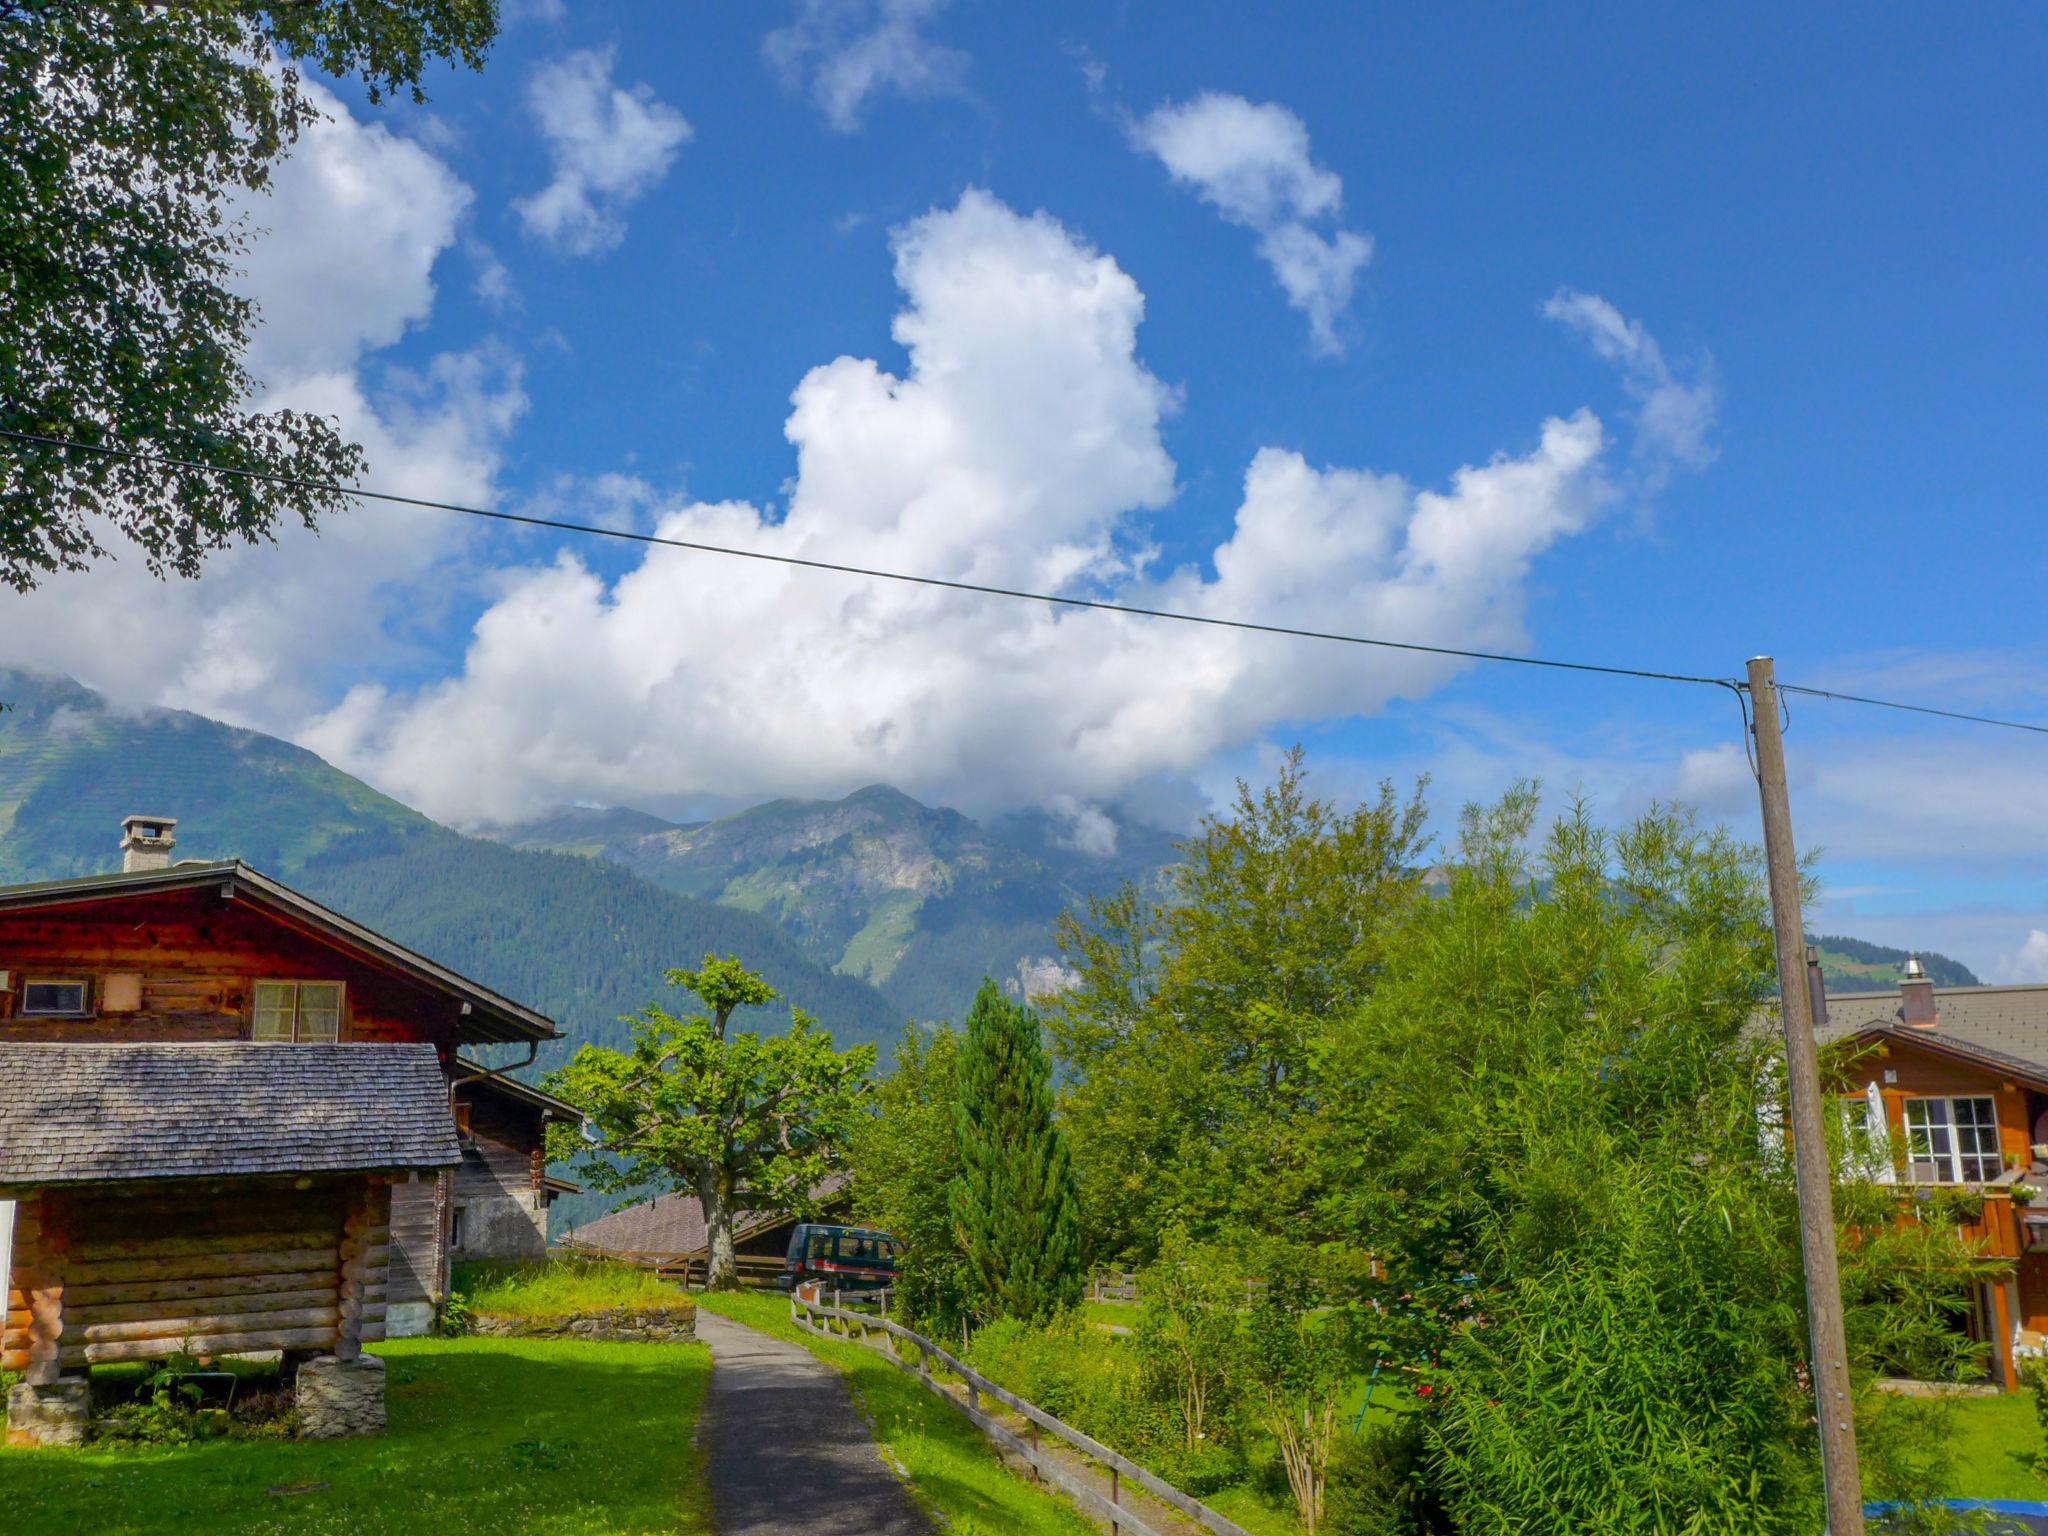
[1956, 1079]
[215, 1197]
[498, 1201]
[215, 951]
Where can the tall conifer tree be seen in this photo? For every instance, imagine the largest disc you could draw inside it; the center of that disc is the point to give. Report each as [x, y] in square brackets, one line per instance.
[1016, 1210]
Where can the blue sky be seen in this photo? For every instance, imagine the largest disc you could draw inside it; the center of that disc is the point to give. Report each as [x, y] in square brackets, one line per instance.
[1789, 264]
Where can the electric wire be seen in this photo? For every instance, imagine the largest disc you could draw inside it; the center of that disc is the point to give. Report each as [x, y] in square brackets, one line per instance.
[1057, 599]
[625, 535]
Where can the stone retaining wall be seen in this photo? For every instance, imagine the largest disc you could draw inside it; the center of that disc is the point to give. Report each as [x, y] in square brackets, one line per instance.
[671, 1324]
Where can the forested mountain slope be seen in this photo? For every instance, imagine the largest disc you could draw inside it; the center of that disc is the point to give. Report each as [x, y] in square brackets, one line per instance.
[580, 940]
[920, 900]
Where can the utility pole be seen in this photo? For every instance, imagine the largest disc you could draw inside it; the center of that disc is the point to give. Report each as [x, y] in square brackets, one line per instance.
[1815, 1179]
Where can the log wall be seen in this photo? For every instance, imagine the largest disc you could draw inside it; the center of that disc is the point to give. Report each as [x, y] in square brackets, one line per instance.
[140, 1272]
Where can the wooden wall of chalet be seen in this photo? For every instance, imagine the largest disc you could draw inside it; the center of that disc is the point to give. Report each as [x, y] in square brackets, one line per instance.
[140, 1271]
[418, 1254]
[198, 955]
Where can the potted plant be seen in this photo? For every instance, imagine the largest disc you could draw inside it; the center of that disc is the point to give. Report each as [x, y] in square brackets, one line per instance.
[2024, 1194]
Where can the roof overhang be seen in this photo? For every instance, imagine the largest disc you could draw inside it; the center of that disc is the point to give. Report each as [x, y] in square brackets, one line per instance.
[483, 1077]
[487, 1017]
[2018, 1069]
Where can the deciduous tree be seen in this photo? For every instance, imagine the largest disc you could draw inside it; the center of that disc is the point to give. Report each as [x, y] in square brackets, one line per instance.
[744, 1121]
[1193, 1040]
[130, 136]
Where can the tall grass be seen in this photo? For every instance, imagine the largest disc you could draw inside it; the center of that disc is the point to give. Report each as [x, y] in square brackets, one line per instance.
[558, 1287]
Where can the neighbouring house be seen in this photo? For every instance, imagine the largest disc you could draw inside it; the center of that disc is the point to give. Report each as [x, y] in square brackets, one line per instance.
[1957, 1077]
[668, 1232]
[215, 951]
[498, 1204]
[208, 1197]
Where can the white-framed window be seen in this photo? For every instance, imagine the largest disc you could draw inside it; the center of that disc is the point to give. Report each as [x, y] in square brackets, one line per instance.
[1866, 1138]
[308, 1012]
[44, 997]
[1953, 1141]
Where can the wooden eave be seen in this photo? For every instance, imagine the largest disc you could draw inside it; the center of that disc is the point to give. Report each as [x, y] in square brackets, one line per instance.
[2009, 1068]
[491, 1018]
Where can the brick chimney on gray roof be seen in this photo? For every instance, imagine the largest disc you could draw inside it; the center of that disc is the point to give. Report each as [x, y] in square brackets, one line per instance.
[146, 842]
[1916, 997]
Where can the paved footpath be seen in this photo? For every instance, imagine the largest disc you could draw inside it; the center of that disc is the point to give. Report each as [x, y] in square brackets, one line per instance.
[786, 1450]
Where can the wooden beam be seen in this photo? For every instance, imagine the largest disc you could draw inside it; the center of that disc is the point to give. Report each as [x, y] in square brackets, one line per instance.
[123, 1271]
[355, 1261]
[46, 1291]
[174, 1329]
[201, 1344]
[121, 1292]
[318, 1295]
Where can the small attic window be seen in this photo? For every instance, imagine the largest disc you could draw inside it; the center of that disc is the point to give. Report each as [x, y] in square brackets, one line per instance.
[54, 999]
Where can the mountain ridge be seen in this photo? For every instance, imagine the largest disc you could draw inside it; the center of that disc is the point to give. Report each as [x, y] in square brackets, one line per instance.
[582, 941]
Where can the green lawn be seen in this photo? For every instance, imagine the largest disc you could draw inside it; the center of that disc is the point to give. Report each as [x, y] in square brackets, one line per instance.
[950, 1466]
[530, 1435]
[557, 1287]
[1122, 1313]
[1996, 1441]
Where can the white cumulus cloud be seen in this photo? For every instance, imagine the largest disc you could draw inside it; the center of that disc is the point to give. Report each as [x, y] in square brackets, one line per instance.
[1675, 407]
[842, 53]
[353, 229]
[1020, 447]
[1251, 162]
[2031, 963]
[609, 145]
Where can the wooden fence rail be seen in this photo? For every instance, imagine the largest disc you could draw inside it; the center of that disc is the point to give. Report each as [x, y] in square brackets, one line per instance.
[1121, 1517]
[756, 1271]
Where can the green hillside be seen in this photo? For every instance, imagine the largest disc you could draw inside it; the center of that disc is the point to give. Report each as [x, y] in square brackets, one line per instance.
[1856, 965]
[921, 901]
[580, 940]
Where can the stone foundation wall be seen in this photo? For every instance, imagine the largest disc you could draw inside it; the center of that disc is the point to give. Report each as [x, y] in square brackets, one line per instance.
[340, 1399]
[672, 1324]
[53, 1415]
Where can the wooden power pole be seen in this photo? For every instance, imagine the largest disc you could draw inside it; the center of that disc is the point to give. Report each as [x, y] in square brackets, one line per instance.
[1815, 1178]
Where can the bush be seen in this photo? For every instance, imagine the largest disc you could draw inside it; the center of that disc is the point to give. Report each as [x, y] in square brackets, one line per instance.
[1378, 1484]
[1084, 1377]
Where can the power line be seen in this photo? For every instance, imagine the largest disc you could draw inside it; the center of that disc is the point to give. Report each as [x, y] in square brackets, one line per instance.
[561, 525]
[628, 536]
[1917, 709]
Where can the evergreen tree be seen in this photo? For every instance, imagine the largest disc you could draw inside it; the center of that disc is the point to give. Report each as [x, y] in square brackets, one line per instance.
[1015, 1205]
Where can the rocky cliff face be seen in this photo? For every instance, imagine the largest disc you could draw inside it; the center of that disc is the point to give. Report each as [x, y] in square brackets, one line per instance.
[919, 900]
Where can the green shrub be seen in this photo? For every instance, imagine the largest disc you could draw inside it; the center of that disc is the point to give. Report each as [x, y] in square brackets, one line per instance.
[1089, 1379]
[1378, 1485]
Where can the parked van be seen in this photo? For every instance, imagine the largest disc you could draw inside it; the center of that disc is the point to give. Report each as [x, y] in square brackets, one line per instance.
[848, 1258]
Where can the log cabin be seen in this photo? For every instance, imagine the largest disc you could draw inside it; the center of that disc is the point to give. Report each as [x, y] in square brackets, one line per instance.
[216, 951]
[212, 1197]
[1947, 1088]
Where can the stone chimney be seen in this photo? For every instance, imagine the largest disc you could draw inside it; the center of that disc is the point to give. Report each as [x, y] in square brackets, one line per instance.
[1916, 997]
[146, 843]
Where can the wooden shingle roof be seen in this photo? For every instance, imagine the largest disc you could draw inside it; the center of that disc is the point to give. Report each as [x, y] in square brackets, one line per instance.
[674, 1224]
[74, 1114]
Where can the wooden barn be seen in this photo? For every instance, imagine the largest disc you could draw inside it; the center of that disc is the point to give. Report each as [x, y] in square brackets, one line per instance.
[208, 1197]
[215, 951]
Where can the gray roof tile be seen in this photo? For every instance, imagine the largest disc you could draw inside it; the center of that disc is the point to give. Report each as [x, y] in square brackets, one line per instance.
[81, 1113]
